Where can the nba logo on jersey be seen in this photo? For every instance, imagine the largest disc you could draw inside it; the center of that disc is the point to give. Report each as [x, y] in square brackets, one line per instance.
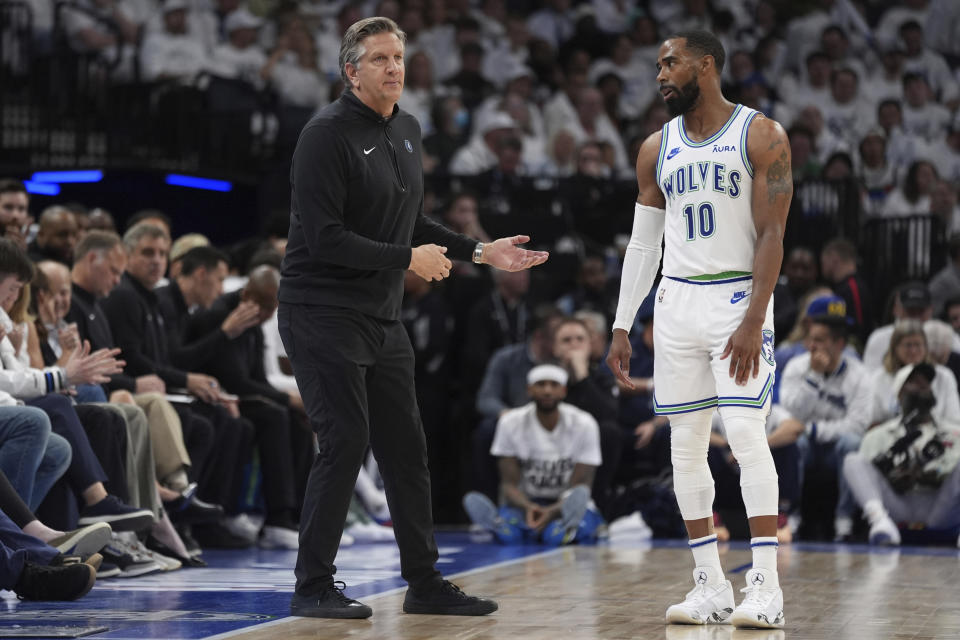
[660, 295]
[766, 348]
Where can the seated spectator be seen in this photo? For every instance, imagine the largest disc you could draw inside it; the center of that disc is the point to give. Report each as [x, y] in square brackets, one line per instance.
[843, 112]
[57, 338]
[418, 90]
[782, 433]
[14, 211]
[940, 345]
[906, 469]
[451, 122]
[240, 56]
[798, 278]
[944, 206]
[920, 58]
[36, 571]
[830, 395]
[473, 87]
[877, 174]
[504, 387]
[951, 313]
[922, 117]
[839, 268]
[914, 197]
[912, 300]
[89, 32]
[592, 123]
[945, 285]
[594, 291]
[31, 456]
[804, 159]
[547, 452]
[292, 68]
[56, 236]
[908, 345]
[480, 154]
[285, 447]
[173, 53]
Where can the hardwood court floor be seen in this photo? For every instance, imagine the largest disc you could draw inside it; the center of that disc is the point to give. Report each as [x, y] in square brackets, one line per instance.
[609, 592]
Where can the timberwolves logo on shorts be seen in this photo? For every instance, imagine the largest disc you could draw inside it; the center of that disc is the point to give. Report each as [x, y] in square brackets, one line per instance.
[766, 349]
[406, 143]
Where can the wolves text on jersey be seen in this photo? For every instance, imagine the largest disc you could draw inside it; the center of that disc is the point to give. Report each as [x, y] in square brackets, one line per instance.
[701, 176]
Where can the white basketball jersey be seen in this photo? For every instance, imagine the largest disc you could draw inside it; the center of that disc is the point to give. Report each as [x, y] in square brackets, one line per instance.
[707, 185]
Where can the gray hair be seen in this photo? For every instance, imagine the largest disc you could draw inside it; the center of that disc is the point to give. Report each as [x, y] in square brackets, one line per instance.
[594, 319]
[96, 240]
[137, 232]
[351, 47]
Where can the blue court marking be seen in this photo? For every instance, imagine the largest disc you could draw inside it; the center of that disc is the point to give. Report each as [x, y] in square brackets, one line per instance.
[239, 589]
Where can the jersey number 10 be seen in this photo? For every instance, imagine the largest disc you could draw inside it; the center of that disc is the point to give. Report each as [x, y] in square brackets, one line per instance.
[704, 223]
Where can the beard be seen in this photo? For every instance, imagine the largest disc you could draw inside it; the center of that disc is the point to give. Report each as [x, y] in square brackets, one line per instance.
[684, 98]
[547, 405]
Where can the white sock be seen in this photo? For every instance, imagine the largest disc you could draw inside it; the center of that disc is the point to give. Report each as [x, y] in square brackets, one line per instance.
[705, 554]
[874, 511]
[765, 553]
[39, 530]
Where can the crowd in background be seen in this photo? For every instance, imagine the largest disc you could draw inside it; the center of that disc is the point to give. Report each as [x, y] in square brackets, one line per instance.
[155, 356]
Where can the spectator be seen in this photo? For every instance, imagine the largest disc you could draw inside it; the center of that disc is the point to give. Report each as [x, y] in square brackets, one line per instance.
[943, 205]
[14, 211]
[803, 153]
[877, 174]
[814, 89]
[548, 452]
[105, 29]
[292, 68]
[923, 60]
[940, 345]
[838, 265]
[594, 291]
[906, 469]
[56, 236]
[240, 56]
[418, 94]
[592, 123]
[830, 394]
[799, 276]
[480, 154]
[912, 300]
[843, 112]
[951, 313]
[172, 52]
[553, 23]
[922, 116]
[474, 88]
[908, 346]
[945, 285]
[285, 447]
[886, 81]
[451, 121]
[32, 457]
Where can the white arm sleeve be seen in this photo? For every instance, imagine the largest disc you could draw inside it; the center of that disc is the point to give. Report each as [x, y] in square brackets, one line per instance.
[640, 263]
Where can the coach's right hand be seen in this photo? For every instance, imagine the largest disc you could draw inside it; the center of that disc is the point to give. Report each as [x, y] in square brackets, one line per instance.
[618, 359]
[428, 262]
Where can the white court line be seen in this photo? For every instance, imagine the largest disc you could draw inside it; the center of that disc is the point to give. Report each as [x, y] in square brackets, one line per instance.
[389, 592]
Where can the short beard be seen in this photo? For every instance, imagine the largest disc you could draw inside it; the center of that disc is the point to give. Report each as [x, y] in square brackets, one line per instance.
[547, 406]
[684, 98]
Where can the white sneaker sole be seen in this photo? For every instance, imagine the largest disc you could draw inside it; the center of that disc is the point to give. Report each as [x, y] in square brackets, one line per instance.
[743, 620]
[679, 615]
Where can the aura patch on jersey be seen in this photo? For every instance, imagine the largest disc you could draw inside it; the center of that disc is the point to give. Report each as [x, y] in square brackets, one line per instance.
[702, 176]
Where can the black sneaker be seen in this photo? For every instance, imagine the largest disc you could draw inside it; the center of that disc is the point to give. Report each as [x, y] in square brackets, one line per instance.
[444, 598]
[329, 603]
[120, 516]
[67, 582]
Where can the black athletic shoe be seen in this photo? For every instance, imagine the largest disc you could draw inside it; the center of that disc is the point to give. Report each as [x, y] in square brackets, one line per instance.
[329, 603]
[67, 582]
[444, 598]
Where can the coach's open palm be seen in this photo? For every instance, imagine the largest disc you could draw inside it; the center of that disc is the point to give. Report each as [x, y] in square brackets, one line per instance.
[503, 253]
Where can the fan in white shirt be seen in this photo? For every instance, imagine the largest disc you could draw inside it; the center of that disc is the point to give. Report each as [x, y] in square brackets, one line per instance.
[922, 116]
[241, 57]
[171, 53]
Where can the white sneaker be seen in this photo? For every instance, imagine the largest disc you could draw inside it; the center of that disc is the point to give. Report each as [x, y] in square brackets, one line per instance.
[842, 528]
[885, 531]
[128, 541]
[370, 532]
[762, 608]
[242, 526]
[279, 538]
[346, 539]
[705, 603]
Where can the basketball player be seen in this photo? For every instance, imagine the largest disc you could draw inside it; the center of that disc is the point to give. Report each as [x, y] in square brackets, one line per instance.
[715, 183]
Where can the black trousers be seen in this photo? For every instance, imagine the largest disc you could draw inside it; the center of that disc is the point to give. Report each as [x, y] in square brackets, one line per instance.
[355, 373]
[221, 478]
[274, 440]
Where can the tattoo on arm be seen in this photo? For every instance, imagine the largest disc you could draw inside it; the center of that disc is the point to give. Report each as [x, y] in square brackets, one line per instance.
[779, 178]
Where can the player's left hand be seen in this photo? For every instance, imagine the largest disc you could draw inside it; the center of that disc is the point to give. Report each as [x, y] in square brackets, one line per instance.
[743, 349]
[504, 253]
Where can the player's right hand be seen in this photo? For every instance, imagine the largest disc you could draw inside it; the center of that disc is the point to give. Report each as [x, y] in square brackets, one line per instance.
[429, 262]
[618, 359]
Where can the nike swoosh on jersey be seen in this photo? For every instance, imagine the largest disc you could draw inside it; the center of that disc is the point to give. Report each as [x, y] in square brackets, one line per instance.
[366, 152]
[738, 296]
[673, 152]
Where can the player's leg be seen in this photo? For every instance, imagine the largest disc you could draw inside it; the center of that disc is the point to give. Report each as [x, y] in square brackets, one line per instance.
[744, 411]
[685, 392]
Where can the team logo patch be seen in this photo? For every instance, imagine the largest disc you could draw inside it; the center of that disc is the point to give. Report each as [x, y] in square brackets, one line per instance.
[673, 152]
[766, 348]
[409, 147]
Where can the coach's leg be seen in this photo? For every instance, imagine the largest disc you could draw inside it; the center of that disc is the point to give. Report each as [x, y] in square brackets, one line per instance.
[396, 435]
[330, 351]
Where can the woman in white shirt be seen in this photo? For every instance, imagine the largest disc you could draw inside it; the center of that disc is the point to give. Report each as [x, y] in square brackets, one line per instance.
[908, 345]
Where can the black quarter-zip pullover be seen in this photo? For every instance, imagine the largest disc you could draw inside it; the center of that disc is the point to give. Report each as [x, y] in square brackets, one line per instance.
[357, 209]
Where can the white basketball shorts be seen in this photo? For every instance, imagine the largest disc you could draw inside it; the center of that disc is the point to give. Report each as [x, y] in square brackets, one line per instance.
[693, 320]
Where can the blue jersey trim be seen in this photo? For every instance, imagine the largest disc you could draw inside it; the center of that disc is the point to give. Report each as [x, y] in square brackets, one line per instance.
[687, 141]
[708, 282]
[743, 143]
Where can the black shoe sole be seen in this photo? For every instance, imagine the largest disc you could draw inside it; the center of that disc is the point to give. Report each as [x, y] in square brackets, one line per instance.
[481, 608]
[341, 613]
